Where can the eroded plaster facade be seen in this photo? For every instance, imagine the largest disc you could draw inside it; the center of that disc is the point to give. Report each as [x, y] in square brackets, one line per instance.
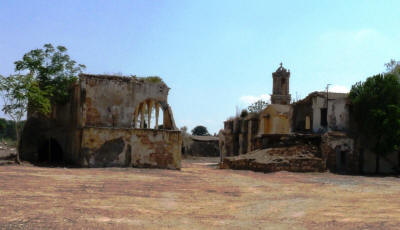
[109, 121]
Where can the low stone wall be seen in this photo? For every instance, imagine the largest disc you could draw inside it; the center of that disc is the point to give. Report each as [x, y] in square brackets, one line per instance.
[131, 147]
[205, 146]
[284, 140]
[299, 158]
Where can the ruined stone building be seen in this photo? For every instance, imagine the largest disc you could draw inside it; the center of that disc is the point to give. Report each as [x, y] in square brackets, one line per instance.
[108, 121]
[320, 112]
[319, 124]
[244, 134]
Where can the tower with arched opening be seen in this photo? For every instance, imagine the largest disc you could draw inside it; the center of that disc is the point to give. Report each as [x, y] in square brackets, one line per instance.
[280, 90]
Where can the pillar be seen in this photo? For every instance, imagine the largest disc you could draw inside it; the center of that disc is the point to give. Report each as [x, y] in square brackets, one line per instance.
[157, 113]
[135, 117]
[149, 110]
[142, 116]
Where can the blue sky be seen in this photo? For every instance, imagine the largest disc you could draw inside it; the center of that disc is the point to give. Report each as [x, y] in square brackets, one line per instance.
[216, 56]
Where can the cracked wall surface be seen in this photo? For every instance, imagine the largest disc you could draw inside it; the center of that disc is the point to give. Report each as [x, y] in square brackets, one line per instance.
[131, 147]
[108, 121]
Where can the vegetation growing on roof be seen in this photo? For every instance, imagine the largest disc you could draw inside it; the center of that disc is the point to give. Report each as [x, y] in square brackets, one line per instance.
[150, 79]
[153, 79]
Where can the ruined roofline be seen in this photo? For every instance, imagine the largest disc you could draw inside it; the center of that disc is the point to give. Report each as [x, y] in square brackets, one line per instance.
[131, 78]
[130, 128]
[331, 95]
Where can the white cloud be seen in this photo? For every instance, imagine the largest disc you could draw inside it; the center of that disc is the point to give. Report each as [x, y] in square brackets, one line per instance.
[338, 89]
[249, 99]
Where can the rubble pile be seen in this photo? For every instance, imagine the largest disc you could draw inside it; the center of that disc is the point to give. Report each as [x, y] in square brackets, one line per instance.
[298, 158]
[7, 154]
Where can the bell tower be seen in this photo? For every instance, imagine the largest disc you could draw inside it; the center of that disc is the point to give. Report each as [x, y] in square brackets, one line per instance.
[280, 91]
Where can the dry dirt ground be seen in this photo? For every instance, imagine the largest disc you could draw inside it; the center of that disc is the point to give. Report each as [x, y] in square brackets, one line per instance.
[197, 197]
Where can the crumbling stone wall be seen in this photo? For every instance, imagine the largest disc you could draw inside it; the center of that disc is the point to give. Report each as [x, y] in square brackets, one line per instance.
[284, 140]
[206, 146]
[302, 110]
[238, 135]
[131, 147]
[296, 158]
[338, 150]
[107, 122]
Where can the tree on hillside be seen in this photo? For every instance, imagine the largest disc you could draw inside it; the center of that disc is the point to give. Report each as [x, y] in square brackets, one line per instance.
[200, 131]
[376, 109]
[257, 106]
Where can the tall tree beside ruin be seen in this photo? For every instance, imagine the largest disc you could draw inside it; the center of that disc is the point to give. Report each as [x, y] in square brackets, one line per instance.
[257, 106]
[376, 109]
[16, 91]
[44, 77]
[53, 70]
[200, 131]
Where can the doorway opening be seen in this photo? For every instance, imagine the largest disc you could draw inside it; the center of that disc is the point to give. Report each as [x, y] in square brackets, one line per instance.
[50, 152]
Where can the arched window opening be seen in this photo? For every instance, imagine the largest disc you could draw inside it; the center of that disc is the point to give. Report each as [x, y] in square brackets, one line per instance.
[148, 115]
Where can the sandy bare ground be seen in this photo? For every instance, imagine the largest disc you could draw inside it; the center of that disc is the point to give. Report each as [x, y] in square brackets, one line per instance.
[197, 197]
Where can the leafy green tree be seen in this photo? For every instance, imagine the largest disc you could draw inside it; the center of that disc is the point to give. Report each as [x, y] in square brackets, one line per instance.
[44, 77]
[376, 109]
[393, 67]
[200, 131]
[244, 113]
[15, 92]
[257, 106]
[53, 70]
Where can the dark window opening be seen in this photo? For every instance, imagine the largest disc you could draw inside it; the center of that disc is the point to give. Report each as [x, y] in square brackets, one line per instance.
[50, 152]
[324, 119]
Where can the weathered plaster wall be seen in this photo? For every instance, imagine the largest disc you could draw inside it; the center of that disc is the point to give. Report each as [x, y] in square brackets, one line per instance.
[300, 111]
[96, 126]
[131, 147]
[317, 104]
[275, 119]
[111, 102]
[338, 115]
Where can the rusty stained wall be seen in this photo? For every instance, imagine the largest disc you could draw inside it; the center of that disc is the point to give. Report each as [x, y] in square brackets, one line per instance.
[275, 119]
[111, 101]
[131, 147]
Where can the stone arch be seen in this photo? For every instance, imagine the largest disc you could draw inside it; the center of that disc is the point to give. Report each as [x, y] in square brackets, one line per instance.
[144, 111]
